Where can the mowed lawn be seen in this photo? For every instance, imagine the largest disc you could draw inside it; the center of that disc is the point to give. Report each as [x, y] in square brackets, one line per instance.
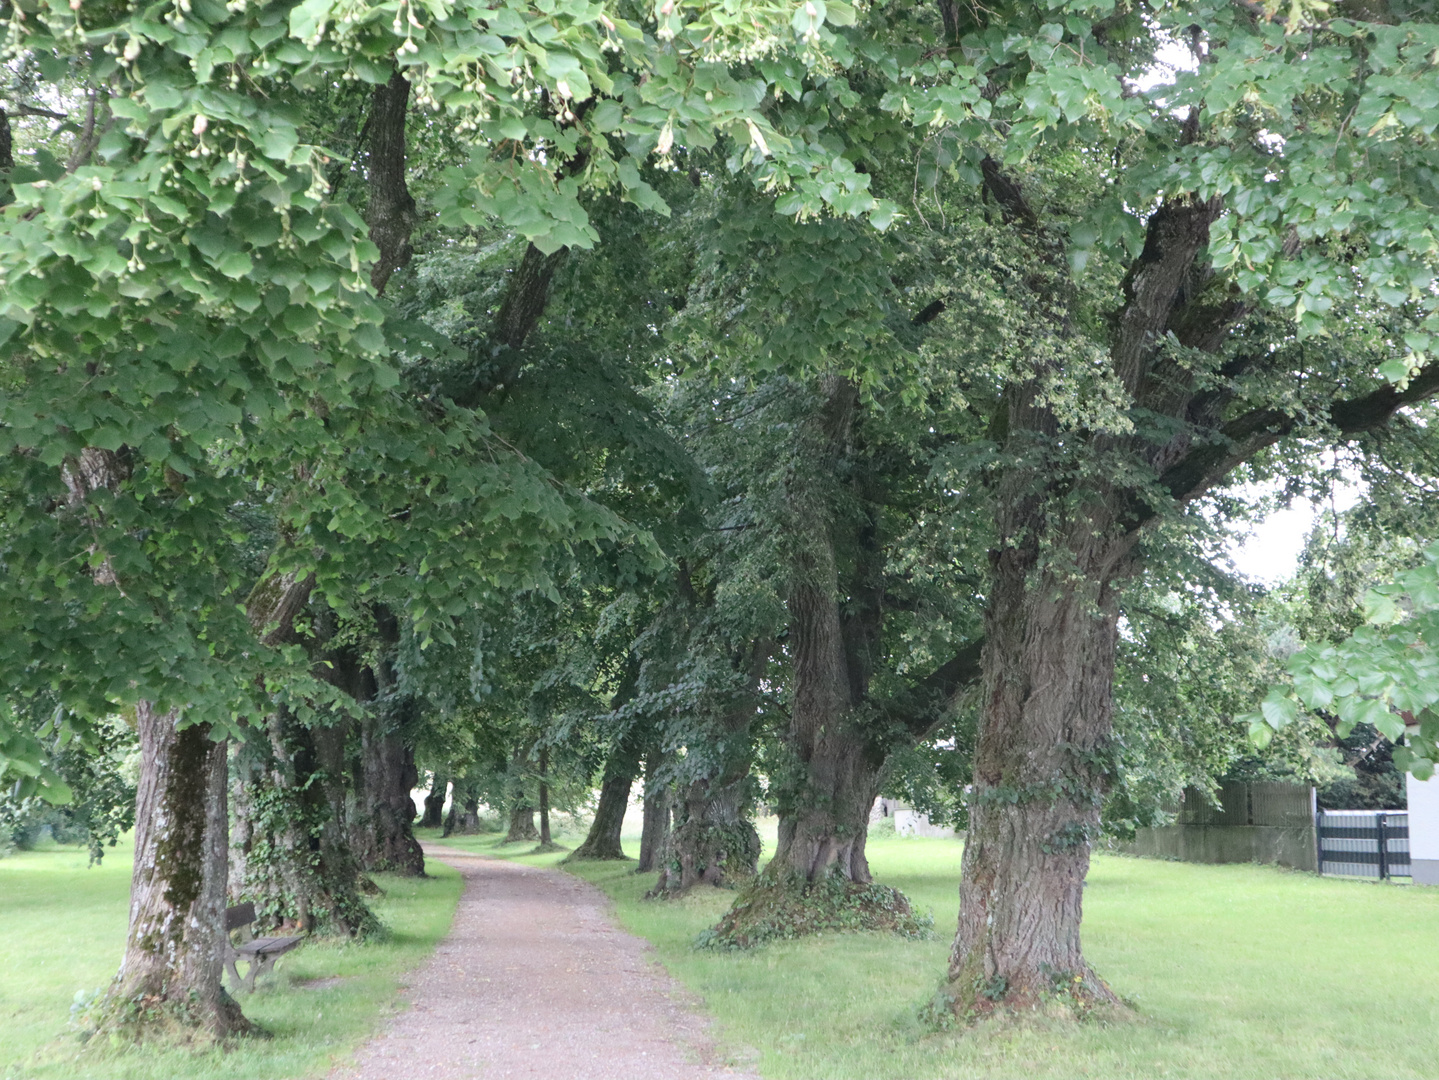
[1236, 971]
[62, 930]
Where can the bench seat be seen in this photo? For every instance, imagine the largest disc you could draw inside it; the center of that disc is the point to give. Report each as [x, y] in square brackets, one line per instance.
[259, 953]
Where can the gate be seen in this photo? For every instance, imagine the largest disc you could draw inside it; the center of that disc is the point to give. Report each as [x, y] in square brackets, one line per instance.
[1363, 843]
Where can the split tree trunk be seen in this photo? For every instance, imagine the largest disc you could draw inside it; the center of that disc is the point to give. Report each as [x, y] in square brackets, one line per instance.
[289, 849]
[381, 825]
[464, 815]
[824, 820]
[713, 841]
[175, 949]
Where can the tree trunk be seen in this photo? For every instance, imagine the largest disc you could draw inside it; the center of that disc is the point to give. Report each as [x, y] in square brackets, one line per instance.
[384, 813]
[544, 798]
[713, 841]
[603, 839]
[464, 816]
[654, 837]
[175, 949]
[381, 826]
[289, 851]
[435, 802]
[522, 825]
[391, 212]
[1038, 779]
[824, 819]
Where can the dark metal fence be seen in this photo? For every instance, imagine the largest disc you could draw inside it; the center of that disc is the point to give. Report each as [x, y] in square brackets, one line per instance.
[1363, 843]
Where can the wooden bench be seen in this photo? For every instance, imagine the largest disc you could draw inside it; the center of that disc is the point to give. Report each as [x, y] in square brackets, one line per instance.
[261, 953]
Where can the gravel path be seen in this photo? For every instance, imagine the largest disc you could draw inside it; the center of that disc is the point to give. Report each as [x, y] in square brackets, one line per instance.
[536, 980]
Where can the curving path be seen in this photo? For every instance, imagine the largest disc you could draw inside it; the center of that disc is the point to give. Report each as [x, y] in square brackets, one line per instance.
[536, 980]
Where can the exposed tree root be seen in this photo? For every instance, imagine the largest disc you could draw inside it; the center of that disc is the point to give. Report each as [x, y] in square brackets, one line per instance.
[154, 1019]
[1054, 995]
[773, 908]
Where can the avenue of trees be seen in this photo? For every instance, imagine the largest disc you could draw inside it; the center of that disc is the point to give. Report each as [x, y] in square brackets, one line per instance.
[735, 403]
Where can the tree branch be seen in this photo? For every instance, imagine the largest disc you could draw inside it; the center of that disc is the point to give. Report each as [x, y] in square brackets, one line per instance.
[919, 708]
[392, 214]
[1244, 436]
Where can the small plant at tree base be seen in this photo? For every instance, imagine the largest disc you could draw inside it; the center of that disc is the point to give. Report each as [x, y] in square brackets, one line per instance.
[774, 908]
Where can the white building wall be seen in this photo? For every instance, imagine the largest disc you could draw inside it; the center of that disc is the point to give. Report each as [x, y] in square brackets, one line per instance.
[1424, 829]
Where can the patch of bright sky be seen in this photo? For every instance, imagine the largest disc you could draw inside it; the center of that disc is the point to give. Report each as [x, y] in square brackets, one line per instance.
[1270, 552]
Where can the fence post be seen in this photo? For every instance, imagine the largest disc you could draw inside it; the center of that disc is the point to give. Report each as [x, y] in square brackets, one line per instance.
[1380, 820]
[1319, 841]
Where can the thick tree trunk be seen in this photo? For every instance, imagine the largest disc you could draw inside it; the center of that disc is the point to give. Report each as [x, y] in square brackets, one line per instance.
[381, 827]
[464, 815]
[603, 839]
[824, 819]
[175, 949]
[433, 817]
[654, 837]
[713, 841]
[826, 832]
[289, 852]
[522, 825]
[384, 813]
[1034, 811]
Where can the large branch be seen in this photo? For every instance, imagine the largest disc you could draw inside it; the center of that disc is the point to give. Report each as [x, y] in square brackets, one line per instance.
[1155, 286]
[923, 705]
[391, 212]
[1247, 434]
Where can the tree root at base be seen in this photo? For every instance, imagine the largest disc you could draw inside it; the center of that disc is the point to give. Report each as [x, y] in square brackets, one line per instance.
[772, 908]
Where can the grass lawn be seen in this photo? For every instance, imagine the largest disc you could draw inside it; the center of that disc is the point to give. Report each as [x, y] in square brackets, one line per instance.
[1237, 971]
[63, 929]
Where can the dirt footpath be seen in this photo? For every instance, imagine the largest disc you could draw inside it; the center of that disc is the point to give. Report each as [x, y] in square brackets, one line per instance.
[536, 980]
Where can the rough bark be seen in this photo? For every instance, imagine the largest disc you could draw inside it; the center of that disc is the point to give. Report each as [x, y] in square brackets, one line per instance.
[1034, 809]
[1051, 627]
[174, 951]
[824, 820]
[621, 768]
[391, 212]
[654, 836]
[464, 815]
[381, 825]
[603, 839]
[289, 851]
[522, 824]
[713, 841]
[433, 816]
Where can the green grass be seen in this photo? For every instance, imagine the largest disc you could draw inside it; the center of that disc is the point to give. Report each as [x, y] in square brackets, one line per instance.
[1236, 971]
[63, 929]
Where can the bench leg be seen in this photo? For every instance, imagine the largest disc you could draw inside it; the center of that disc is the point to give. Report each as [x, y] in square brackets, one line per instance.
[250, 975]
[234, 972]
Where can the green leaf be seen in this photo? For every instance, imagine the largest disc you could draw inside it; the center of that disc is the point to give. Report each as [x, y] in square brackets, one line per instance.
[1279, 710]
[1380, 609]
